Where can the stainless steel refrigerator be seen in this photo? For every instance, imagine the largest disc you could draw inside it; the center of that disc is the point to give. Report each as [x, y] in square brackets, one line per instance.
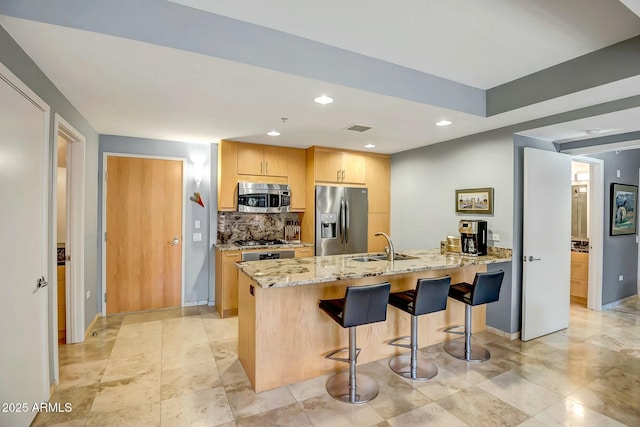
[341, 220]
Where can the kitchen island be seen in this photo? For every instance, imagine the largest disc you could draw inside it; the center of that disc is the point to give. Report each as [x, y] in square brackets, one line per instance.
[283, 335]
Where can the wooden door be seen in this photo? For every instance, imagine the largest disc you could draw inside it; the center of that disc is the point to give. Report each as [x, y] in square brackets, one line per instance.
[24, 360]
[354, 168]
[328, 166]
[297, 178]
[276, 160]
[250, 159]
[144, 234]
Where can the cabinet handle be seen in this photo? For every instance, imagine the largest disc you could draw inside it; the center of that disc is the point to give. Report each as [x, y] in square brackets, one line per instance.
[343, 174]
[266, 168]
[230, 255]
[260, 168]
[338, 176]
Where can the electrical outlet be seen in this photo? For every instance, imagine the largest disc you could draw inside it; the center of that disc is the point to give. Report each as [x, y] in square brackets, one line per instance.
[88, 294]
[620, 278]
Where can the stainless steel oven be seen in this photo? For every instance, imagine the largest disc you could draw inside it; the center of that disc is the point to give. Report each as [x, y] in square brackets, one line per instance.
[263, 198]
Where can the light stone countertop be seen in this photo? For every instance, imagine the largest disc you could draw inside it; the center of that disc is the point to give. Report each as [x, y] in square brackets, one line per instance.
[322, 269]
[234, 247]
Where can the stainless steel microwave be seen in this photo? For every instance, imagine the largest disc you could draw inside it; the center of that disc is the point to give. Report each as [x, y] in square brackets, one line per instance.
[263, 198]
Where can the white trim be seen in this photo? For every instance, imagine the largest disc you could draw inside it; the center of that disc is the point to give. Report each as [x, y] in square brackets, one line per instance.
[596, 230]
[619, 302]
[74, 287]
[103, 267]
[48, 267]
[507, 335]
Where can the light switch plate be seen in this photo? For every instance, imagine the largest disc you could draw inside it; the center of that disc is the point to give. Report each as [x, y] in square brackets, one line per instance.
[495, 237]
[197, 237]
[620, 278]
[197, 224]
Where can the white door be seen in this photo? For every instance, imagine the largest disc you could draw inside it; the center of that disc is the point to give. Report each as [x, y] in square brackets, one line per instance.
[24, 369]
[546, 251]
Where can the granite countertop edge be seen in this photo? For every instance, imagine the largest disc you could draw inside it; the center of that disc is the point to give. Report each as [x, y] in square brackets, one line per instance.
[234, 247]
[325, 269]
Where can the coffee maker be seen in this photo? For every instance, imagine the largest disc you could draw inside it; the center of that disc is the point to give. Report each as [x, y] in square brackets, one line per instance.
[473, 237]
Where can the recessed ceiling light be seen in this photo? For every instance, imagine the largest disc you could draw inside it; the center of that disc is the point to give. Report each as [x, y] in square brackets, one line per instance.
[324, 99]
[370, 146]
[443, 123]
[273, 133]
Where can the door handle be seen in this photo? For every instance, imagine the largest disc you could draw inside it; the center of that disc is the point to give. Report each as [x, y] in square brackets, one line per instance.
[175, 241]
[531, 259]
[347, 222]
[41, 282]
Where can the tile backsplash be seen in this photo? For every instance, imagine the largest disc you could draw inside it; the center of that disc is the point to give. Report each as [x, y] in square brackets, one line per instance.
[234, 226]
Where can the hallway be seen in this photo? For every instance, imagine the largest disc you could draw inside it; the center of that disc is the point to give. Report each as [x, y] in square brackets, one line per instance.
[179, 367]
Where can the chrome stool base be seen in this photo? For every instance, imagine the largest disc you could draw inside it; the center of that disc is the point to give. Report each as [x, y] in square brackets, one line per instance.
[366, 388]
[425, 368]
[457, 350]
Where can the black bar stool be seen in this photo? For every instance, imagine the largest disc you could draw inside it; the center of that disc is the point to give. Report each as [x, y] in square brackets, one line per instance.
[485, 289]
[429, 296]
[360, 305]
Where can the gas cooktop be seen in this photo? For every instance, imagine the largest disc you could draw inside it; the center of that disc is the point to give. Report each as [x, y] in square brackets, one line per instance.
[260, 242]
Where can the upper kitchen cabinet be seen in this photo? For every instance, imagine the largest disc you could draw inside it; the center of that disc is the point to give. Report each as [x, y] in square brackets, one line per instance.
[297, 178]
[264, 160]
[339, 166]
[378, 180]
[227, 176]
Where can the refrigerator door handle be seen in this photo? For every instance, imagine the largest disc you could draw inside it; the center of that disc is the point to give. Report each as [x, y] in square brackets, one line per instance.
[347, 225]
[342, 220]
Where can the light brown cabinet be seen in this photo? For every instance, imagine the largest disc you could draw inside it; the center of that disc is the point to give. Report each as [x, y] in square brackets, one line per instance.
[227, 283]
[266, 160]
[227, 176]
[579, 277]
[297, 178]
[339, 167]
[304, 252]
[378, 180]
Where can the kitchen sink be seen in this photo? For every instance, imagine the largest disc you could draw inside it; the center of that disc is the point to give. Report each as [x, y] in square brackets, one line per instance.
[382, 257]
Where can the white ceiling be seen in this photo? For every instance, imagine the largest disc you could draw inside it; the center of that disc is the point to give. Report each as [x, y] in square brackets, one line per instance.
[127, 87]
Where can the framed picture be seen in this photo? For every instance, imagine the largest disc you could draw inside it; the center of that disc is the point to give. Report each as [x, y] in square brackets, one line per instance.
[624, 199]
[474, 201]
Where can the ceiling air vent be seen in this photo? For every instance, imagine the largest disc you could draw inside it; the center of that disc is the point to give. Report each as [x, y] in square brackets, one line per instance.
[358, 128]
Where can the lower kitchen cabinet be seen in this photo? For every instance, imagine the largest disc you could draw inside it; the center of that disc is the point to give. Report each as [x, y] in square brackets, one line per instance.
[579, 277]
[304, 252]
[227, 283]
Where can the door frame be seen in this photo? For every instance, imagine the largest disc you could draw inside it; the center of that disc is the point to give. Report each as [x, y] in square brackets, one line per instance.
[596, 229]
[105, 156]
[75, 225]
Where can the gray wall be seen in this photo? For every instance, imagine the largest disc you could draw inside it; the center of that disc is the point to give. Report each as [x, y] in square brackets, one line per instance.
[16, 60]
[620, 252]
[423, 184]
[197, 262]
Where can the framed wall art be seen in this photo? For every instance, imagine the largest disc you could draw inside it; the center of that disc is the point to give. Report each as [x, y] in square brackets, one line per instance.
[475, 201]
[624, 199]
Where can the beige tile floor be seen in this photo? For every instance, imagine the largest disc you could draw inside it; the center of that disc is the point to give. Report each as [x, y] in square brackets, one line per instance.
[180, 368]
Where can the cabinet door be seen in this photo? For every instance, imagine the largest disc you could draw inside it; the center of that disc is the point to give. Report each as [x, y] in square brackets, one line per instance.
[377, 222]
[227, 176]
[304, 252]
[354, 168]
[328, 166]
[250, 159]
[378, 178]
[276, 160]
[297, 178]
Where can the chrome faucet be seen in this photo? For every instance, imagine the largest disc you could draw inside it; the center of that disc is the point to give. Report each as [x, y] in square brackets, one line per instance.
[391, 253]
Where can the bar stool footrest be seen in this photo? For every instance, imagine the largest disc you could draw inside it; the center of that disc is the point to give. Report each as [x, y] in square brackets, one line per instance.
[450, 330]
[395, 340]
[425, 368]
[457, 350]
[341, 359]
[366, 388]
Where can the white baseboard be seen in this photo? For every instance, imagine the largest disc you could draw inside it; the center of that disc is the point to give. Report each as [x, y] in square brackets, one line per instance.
[211, 303]
[619, 302]
[195, 303]
[507, 335]
[93, 322]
